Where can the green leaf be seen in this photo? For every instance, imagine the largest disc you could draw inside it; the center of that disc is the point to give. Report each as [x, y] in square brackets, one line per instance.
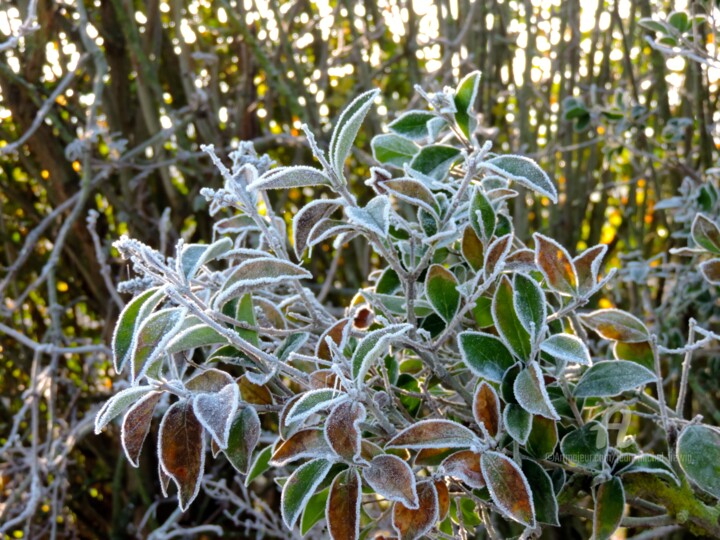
[347, 128]
[472, 249]
[412, 125]
[680, 20]
[616, 325]
[531, 394]
[543, 438]
[199, 335]
[118, 404]
[128, 321]
[152, 337]
[653, 26]
[372, 346]
[465, 95]
[698, 451]
[507, 321]
[393, 150]
[245, 312]
[530, 305]
[259, 465]
[568, 348]
[441, 291]
[706, 233]
[485, 355]
[313, 401]
[518, 422]
[435, 160]
[482, 215]
[314, 510]
[195, 256]
[612, 378]
[655, 465]
[299, 487]
[509, 489]
[290, 177]
[609, 508]
[374, 217]
[586, 447]
[244, 436]
[543, 493]
[524, 171]
[389, 282]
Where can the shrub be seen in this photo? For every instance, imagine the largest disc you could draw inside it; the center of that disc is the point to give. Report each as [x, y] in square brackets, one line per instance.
[463, 387]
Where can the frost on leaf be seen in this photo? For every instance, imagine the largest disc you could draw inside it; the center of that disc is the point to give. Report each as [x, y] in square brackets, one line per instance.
[181, 448]
[194, 256]
[152, 337]
[464, 98]
[706, 234]
[543, 437]
[465, 466]
[616, 325]
[290, 177]
[411, 524]
[496, 255]
[609, 507]
[508, 487]
[118, 404]
[472, 248]
[543, 492]
[486, 408]
[441, 291]
[435, 161]
[433, 434]
[374, 217]
[485, 355]
[243, 438]
[586, 447]
[136, 425]
[343, 506]
[338, 333]
[347, 127]
[656, 465]
[711, 271]
[372, 346]
[216, 411]
[305, 443]
[525, 172]
[612, 378]
[255, 394]
[530, 304]
[567, 348]
[482, 215]
[299, 487]
[393, 150]
[210, 380]
[507, 321]
[342, 429]
[392, 479]
[698, 451]
[412, 192]
[587, 265]
[130, 318]
[312, 402]
[518, 422]
[307, 217]
[412, 125]
[556, 265]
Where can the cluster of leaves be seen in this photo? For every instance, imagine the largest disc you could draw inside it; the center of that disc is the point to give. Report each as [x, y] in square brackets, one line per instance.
[458, 386]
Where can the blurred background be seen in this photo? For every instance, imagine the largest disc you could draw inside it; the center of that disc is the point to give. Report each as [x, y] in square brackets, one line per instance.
[103, 107]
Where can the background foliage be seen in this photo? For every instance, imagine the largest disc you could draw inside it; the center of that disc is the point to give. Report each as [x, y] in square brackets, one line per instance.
[104, 107]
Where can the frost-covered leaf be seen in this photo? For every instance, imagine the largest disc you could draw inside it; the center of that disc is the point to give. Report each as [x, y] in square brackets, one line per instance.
[543, 437]
[130, 319]
[242, 439]
[257, 273]
[711, 271]
[374, 217]
[199, 335]
[393, 150]
[530, 304]
[507, 321]
[497, 254]
[508, 487]
[433, 434]
[307, 217]
[312, 402]
[609, 507]
[315, 510]
[216, 412]
[343, 506]
[337, 333]
[290, 177]
[299, 487]
[587, 266]
[612, 378]
[531, 393]
[518, 422]
[326, 229]
[412, 124]
[152, 336]
[706, 233]
[194, 256]
[392, 479]
[485, 355]
[435, 160]
[656, 465]
[486, 408]
[698, 451]
[342, 430]
[260, 464]
[524, 171]
[372, 346]
[181, 448]
[482, 215]
[118, 404]
[443, 495]
[291, 344]
[347, 127]
[465, 466]
[305, 443]
[568, 348]
[256, 394]
[586, 447]
[209, 380]
[441, 291]
[556, 265]
[472, 248]
[136, 425]
[616, 325]
[543, 493]
[465, 95]
[411, 524]
[412, 192]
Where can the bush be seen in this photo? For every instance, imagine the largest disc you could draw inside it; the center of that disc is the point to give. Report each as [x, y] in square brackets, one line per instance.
[464, 386]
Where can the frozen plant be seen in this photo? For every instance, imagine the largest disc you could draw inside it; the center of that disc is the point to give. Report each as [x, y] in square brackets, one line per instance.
[463, 389]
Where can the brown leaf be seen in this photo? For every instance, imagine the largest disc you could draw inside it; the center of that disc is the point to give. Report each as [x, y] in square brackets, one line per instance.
[336, 334]
[363, 318]
[587, 265]
[392, 479]
[711, 271]
[369, 450]
[414, 523]
[465, 466]
[304, 443]
[343, 506]
[211, 380]
[486, 408]
[522, 260]
[342, 431]
[433, 434]
[497, 252]
[508, 487]
[182, 450]
[254, 393]
[472, 248]
[556, 265]
[164, 480]
[443, 495]
[136, 426]
[322, 378]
